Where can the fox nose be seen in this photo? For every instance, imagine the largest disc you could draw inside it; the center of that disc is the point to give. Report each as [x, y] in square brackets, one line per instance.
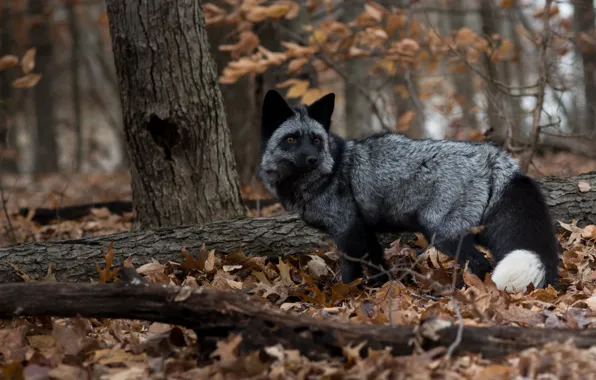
[311, 160]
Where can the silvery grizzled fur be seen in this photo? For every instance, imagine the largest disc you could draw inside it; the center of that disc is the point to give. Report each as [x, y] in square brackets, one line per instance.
[353, 189]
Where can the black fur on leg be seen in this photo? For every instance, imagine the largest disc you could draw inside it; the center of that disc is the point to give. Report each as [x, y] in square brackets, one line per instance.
[478, 264]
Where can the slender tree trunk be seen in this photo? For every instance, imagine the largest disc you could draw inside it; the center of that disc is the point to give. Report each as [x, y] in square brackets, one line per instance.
[239, 101]
[183, 168]
[519, 133]
[464, 87]
[46, 150]
[8, 148]
[357, 108]
[584, 23]
[498, 130]
[74, 71]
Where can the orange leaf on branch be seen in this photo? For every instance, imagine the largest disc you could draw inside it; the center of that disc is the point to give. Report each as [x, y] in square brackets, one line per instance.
[28, 60]
[28, 81]
[8, 62]
[248, 42]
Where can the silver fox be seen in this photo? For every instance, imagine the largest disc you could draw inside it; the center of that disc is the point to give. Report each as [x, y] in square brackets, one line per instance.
[353, 189]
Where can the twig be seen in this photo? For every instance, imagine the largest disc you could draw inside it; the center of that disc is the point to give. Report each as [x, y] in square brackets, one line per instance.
[460, 330]
[543, 78]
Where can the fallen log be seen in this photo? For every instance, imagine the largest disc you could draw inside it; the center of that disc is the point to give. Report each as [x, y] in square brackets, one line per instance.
[75, 260]
[45, 216]
[215, 314]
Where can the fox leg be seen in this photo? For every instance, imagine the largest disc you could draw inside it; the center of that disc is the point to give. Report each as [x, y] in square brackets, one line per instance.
[354, 243]
[478, 264]
[376, 256]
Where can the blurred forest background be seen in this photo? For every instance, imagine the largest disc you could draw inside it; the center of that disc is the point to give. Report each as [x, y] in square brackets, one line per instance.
[520, 73]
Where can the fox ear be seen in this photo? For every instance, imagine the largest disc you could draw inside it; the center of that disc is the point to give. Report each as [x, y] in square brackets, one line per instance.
[322, 109]
[274, 112]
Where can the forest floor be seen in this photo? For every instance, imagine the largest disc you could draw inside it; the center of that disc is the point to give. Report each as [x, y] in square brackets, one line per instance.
[40, 348]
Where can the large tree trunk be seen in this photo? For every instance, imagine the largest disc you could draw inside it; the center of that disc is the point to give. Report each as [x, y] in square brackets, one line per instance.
[182, 165]
[239, 100]
[75, 260]
[46, 150]
[215, 314]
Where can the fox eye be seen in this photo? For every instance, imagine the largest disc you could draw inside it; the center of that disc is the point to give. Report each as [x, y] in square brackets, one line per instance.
[290, 140]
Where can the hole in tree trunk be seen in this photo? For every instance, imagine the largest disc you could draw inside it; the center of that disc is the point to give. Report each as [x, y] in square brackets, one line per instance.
[164, 133]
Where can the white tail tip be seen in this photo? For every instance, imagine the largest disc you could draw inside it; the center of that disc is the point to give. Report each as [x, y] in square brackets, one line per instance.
[517, 270]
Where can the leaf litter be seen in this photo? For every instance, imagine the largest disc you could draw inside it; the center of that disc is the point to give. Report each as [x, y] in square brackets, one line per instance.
[82, 348]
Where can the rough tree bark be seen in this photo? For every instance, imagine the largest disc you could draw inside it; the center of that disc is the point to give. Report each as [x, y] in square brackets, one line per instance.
[46, 150]
[75, 260]
[214, 315]
[182, 165]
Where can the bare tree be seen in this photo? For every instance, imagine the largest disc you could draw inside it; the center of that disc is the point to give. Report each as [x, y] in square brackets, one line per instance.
[183, 168]
[498, 132]
[463, 85]
[8, 162]
[357, 106]
[74, 71]
[584, 23]
[46, 150]
[239, 101]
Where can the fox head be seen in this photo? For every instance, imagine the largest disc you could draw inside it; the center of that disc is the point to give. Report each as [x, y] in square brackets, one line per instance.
[295, 142]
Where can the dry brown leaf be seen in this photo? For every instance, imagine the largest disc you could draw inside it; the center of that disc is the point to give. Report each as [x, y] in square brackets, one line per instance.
[28, 81]
[284, 272]
[395, 21]
[248, 41]
[311, 95]
[183, 294]
[495, 372]
[110, 356]
[28, 60]
[298, 89]
[576, 232]
[352, 353]
[226, 350]
[8, 62]
[296, 64]
[67, 372]
[521, 315]
[106, 274]
[209, 265]
[404, 121]
[589, 232]
[317, 268]
[584, 187]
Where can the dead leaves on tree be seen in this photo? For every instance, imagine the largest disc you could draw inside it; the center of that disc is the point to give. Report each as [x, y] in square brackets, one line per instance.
[27, 65]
